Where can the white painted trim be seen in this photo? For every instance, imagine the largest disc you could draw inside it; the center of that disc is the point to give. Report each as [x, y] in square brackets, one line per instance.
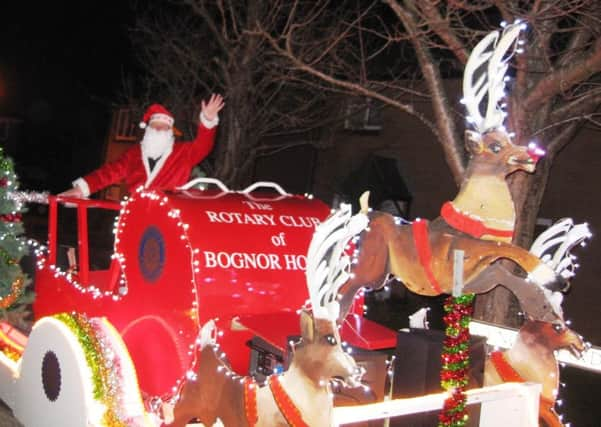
[508, 404]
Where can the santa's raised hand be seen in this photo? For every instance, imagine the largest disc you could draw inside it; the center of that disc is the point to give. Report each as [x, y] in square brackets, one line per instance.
[211, 108]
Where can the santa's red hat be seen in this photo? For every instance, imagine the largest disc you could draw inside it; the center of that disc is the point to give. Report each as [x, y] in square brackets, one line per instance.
[156, 112]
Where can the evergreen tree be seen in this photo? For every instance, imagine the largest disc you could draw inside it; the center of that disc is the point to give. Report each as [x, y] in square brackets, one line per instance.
[13, 246]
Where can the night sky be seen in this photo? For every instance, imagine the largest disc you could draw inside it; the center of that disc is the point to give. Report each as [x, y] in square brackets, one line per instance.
[61, 68]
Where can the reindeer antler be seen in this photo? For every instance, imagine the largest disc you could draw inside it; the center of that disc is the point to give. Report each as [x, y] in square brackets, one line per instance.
[553, 246]
[491, 49]
[328, 264]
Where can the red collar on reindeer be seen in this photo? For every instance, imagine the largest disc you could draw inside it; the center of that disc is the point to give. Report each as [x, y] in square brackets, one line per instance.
[250, 401]
[509, 375]
[504, 368]
[469, 225]
[285, 404]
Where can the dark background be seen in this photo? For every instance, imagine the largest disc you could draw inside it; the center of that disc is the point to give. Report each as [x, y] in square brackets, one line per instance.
[61, 68]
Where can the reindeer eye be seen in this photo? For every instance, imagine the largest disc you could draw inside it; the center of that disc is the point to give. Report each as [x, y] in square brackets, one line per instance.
[495, 147]
[331, 339]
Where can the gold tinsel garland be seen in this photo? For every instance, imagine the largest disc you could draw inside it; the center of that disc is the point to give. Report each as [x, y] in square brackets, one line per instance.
[16, 289]
[88, 340]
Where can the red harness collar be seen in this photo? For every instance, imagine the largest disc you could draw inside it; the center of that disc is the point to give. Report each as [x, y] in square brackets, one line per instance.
[504, 369]
[508, 374]
[422, 245]
[285, 404]
[250, 401]
[468, 225]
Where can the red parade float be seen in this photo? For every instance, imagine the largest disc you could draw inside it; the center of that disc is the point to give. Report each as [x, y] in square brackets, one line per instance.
[183, 258]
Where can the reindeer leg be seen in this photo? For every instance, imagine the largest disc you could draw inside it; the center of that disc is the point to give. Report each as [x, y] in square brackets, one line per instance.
[532, 298]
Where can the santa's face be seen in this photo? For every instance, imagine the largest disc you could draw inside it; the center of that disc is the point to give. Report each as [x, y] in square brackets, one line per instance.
[156, 142]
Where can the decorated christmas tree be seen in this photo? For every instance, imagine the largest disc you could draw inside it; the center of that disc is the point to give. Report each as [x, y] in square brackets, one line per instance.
[13, 246]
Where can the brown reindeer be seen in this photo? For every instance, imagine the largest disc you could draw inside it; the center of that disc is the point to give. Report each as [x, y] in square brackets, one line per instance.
[532, 358]
[301, 396]
[480, 220]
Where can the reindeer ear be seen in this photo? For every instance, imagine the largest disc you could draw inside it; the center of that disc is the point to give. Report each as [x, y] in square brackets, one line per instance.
[473, 142]
[306, 325]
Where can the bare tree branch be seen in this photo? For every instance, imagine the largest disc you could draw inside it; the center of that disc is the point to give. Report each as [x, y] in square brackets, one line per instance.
[441, 26]
[564, 79]
[446, 125]
[353, 87]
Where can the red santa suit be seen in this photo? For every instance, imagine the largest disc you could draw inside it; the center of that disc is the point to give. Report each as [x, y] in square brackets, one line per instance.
[171, 170]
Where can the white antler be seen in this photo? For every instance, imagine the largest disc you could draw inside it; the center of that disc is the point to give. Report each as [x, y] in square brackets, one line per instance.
[327, 262]
[491, 82]
[553, 246]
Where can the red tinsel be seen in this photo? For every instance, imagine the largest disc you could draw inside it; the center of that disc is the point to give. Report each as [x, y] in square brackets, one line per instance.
[10, 217]
[454, 375]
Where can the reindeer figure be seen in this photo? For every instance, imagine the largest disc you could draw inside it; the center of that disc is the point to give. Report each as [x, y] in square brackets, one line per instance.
[301, 396]
[480, 221]
[532, 358]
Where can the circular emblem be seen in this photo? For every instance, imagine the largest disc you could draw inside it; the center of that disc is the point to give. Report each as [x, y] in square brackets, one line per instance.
[151, 254]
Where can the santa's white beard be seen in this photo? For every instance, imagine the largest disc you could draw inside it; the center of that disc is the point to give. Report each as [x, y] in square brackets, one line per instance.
[156, 142]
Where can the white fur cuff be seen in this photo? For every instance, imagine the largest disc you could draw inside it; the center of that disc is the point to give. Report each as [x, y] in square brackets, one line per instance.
[83, 186]
[542, 275]
[209, 124]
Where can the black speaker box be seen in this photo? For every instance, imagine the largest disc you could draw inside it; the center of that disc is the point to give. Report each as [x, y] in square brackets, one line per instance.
[417, 369]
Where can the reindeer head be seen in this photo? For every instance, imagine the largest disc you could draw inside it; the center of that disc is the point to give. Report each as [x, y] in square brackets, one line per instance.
[319, 353]
[490, 144]
[552, 336]
[494, 153]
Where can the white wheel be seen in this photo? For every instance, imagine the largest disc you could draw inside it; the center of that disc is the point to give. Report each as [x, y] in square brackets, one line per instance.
[55, 386]
[75, 372]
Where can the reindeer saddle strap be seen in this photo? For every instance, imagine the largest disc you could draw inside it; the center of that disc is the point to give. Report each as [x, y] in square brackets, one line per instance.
[469, 225]
[422, 244]
[285, 404]
[250, 401]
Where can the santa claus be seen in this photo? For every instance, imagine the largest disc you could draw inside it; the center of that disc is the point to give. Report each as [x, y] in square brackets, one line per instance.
[158, 161]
